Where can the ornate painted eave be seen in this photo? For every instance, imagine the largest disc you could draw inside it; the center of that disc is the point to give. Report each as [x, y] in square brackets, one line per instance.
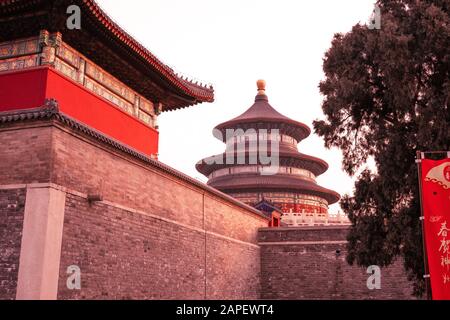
[27, 17]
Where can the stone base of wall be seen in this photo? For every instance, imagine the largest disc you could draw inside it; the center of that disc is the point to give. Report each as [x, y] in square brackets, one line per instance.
[309, 263]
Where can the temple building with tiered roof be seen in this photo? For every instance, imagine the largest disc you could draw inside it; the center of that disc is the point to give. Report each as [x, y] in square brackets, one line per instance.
[293, 187]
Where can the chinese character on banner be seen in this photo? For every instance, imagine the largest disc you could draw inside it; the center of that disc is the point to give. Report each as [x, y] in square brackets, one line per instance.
[436, 210]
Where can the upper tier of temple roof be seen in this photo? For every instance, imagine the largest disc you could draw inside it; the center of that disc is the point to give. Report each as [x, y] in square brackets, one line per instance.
[262, 115]
[107, 44]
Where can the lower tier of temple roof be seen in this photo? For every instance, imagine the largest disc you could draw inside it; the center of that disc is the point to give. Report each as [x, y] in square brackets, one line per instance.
[254, 182]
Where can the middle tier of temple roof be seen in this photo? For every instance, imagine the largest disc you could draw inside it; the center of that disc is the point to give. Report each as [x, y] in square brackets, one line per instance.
[258, 140]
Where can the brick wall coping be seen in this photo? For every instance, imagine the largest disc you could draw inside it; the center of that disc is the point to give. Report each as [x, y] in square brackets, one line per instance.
[50, 111]
[306, 228]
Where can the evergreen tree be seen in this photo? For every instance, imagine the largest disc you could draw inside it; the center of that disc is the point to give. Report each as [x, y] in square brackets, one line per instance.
[386, 95]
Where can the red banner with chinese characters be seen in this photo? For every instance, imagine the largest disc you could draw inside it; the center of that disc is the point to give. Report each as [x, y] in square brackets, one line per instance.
[436, 208]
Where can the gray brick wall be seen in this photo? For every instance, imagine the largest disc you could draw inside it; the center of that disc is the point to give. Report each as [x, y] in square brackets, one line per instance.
[302, 263]
[12, 204]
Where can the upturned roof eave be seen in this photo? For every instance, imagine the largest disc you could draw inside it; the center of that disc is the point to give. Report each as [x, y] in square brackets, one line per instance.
[195, 92]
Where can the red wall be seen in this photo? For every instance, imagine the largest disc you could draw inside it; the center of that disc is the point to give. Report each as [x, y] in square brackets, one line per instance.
[29, 89]
[22, 89]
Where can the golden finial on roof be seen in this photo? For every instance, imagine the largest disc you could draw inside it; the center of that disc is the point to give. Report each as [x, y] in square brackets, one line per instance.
[261, 87]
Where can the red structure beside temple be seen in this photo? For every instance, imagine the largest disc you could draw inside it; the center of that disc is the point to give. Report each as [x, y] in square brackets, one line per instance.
[293, 187]
[99, 74]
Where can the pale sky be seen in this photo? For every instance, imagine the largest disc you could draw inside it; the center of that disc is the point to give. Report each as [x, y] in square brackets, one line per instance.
[231, 44]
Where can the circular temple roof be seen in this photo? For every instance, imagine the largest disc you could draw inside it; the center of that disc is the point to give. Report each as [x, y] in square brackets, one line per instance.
[262, 115]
